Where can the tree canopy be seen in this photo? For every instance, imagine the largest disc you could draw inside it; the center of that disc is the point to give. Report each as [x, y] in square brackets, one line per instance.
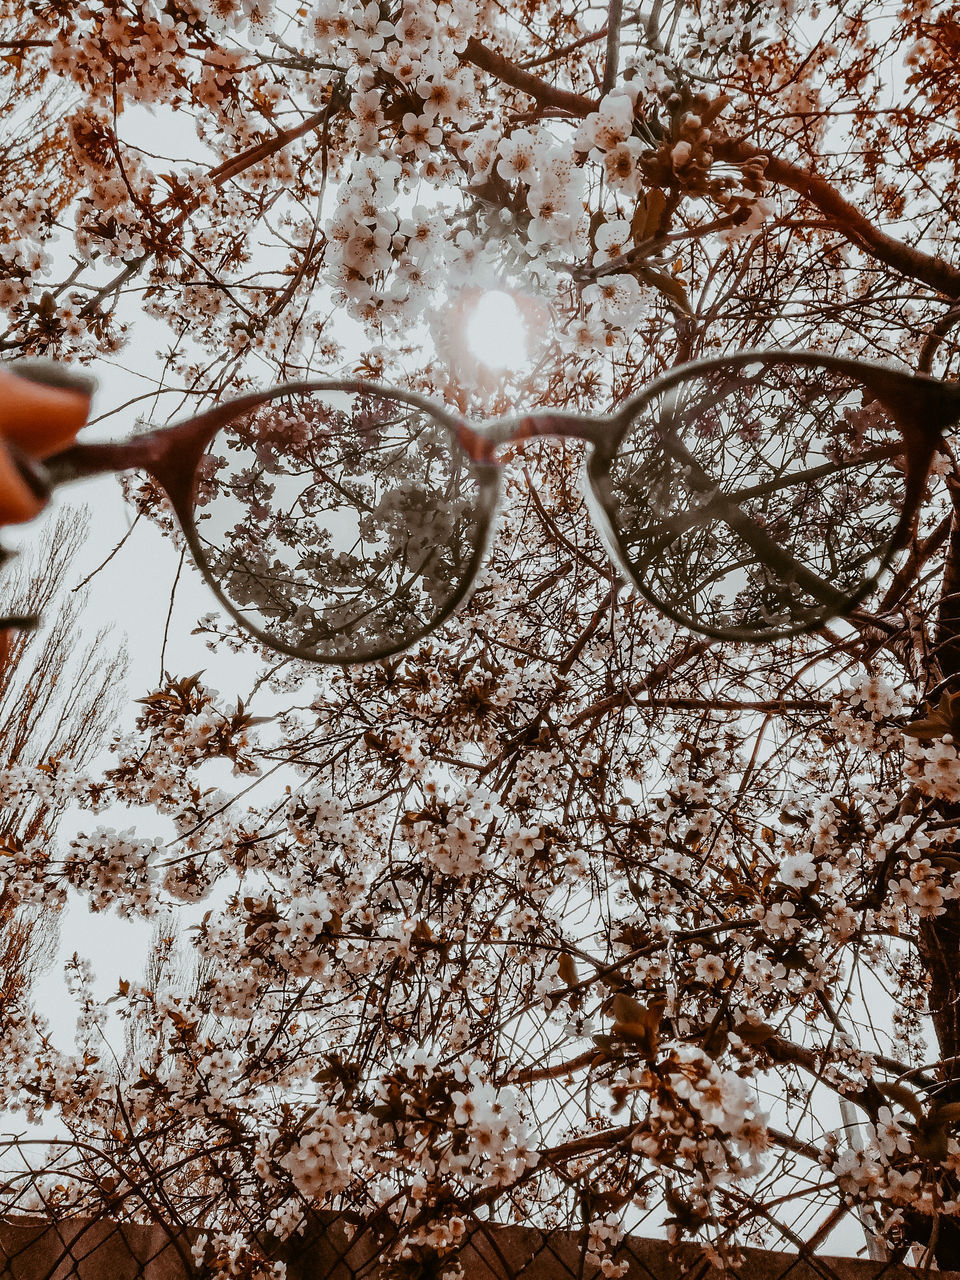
[566, 915]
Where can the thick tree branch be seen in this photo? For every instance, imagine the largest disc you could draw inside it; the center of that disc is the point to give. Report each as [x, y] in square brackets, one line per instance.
[508, 72]
[614, 16]
[931, 271]
[796, 1145]
[263, 150]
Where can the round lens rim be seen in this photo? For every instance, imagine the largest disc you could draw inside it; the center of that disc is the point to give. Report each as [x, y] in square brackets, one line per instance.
[871, 375]
[486, 475]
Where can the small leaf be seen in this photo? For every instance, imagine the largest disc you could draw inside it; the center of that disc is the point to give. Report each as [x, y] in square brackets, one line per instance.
[638, 1024]
[597, 220]
[626, 1009]
[715, 1041]
[709, 113]
[666, 285]
[945, 719]
[930, 1140]
[645, 222]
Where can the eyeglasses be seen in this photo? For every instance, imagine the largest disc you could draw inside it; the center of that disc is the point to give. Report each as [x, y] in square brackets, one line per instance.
[748, 498]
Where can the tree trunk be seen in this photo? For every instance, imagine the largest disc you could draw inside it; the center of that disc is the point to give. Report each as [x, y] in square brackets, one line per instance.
[938, 941]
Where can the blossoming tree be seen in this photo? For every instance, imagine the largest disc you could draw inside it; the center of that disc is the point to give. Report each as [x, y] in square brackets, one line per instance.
[565, 916]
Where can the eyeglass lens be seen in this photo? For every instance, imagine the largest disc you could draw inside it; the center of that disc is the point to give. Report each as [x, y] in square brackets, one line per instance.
[758, 500]
[342, 526]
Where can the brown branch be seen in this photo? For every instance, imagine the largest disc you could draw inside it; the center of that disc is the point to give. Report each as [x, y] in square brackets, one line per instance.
[786, 1051]
[920, 553]
[614, 17]
[857, 228]
[661, 672]
[587, 634]
[253, 155]
[547, 95]
[589, 1142]
[933, 339]
[612, 1137]
[533, 1074]
[555, 55]
[218, 176]
[912, 262]
[947, 632]
[796, 1145]
[724, 704]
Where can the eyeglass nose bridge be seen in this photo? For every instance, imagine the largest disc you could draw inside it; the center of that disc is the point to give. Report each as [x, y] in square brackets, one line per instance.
[482, 442]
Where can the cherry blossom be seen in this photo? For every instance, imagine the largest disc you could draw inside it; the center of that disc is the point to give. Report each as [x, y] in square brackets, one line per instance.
[565, 915]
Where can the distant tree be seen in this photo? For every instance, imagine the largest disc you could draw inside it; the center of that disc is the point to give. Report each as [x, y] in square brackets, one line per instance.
[60, 692]
[567, 916]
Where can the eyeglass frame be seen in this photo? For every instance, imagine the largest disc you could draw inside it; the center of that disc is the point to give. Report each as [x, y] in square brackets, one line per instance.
[921, 407]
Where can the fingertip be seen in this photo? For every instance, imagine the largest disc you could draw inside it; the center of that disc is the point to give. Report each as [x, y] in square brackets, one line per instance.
[40, 417]
[50, 373]
[19, 500]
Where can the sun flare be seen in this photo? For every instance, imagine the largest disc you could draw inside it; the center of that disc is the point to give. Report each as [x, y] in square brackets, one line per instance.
[497, 333]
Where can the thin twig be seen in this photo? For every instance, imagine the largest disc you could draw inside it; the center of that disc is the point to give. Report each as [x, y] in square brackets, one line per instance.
[166, 627]
[103, 564]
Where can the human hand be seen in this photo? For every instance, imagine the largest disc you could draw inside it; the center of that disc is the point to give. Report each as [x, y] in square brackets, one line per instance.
[41, 409]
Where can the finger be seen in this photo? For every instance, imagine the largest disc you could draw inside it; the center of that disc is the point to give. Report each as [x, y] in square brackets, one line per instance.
[23, 490]
[9, 626]
[39, 417]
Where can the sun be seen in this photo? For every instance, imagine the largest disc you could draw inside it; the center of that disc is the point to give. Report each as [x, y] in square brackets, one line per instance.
[497, 333]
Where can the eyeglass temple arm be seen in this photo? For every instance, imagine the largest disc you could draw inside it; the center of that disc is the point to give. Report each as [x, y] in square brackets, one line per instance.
[924, 409]
[83, 460]
[169, 453]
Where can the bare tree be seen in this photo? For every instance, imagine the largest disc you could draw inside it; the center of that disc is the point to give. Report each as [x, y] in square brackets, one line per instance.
[58, 702]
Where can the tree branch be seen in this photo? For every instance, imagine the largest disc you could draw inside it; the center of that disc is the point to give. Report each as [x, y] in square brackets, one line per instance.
[610, 67]
[218, 176]
[508, 72]
[846, 217]
[912, 262]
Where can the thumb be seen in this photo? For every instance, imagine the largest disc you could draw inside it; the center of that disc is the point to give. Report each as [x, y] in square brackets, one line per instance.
[24, 486]
[42, 406]
[8, 627]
